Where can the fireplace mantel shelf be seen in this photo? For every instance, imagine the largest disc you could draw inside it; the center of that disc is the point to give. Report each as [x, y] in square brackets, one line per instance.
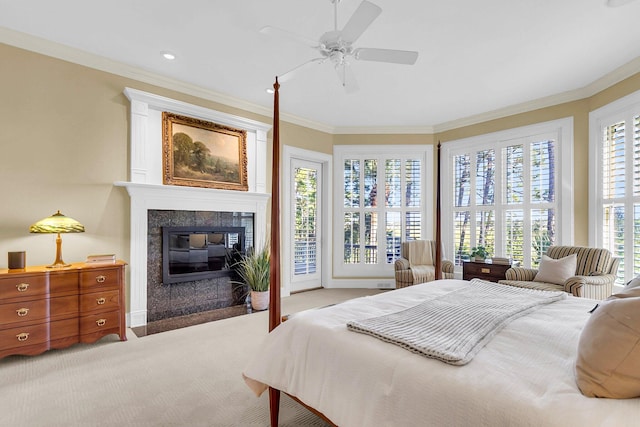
[136, 188]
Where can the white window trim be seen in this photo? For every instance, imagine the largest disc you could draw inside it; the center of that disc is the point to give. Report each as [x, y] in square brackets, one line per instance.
[341, 152]
[619, 110]
[290, 153]
[563, 132]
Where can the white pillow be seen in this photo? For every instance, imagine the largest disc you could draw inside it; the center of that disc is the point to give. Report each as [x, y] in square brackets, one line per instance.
[633, 283]
[556, 270]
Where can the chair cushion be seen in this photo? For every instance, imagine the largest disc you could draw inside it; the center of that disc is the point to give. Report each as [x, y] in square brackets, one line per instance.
[609, 349]
[556, 270]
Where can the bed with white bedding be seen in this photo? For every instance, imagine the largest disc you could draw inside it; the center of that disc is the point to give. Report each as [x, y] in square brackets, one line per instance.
[522, 376]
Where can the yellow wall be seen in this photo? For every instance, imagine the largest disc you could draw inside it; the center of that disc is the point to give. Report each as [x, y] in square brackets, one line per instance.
[64, 138]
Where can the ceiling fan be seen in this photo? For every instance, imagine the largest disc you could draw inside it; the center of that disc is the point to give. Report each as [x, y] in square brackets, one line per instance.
[337, 46]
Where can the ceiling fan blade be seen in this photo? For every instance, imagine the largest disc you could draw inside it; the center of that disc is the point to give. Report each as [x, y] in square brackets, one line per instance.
[364, 15]
[295, 71]
[407, 57]
[347, 77]
[288, 35]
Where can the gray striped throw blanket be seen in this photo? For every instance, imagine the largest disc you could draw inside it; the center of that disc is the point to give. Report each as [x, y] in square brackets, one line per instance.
[455, 326]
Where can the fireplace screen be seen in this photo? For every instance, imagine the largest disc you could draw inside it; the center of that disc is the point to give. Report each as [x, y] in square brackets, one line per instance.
[195, 253]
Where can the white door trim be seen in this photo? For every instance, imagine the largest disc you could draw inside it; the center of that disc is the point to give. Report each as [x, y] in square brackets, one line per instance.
[288, 155]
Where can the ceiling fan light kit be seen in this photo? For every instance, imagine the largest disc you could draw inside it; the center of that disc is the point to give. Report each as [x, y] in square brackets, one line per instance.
[336, 46]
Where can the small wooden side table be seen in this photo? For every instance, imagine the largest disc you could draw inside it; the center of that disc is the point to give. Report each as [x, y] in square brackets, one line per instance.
[484, 270]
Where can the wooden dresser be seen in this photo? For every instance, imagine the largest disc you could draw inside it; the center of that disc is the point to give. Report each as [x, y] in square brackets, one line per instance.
[43, 308]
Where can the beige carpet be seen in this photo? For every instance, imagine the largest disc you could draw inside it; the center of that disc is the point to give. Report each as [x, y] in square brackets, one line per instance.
[186, 377]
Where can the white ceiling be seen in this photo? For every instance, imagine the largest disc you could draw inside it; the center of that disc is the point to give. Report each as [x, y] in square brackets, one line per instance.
[475, 56]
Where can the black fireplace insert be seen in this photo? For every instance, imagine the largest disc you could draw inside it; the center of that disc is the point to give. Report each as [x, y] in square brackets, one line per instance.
[195, 253]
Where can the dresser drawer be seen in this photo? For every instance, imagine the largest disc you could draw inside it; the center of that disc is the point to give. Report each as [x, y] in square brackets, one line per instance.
[61, 283]
[100, 301]
[25, 336]
[61, 307]
[95, 323]
[68, 330]
[23, 286]
[92, 280]
[24, 311]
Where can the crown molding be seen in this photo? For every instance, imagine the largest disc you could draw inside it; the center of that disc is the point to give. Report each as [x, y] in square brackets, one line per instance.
[66, 53]
[386, 130]
[616, 76]
[80, 57]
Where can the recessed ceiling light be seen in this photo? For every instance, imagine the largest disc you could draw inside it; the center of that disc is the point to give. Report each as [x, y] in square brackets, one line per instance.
[270, 90]
[168, 55]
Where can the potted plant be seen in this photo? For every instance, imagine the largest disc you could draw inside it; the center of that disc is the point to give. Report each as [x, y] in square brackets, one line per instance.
[479, 253]
[253, 269]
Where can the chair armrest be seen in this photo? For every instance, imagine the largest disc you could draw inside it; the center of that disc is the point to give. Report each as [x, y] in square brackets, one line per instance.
[447, 266]
[401, 264]
[521, 273]
[574, 285]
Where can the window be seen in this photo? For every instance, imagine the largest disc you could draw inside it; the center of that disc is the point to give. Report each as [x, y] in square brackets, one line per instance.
[615, 182]
[380, 195]
[499, 191]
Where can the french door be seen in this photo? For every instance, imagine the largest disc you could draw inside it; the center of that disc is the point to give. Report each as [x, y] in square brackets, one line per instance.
[305, 227]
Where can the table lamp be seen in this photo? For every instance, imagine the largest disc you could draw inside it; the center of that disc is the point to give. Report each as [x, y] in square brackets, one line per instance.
[57, 223]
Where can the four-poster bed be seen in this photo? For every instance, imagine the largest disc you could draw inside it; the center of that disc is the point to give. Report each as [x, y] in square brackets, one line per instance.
[523, 376]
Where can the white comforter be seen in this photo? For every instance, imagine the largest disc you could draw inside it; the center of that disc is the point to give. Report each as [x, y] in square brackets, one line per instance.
[523, 377]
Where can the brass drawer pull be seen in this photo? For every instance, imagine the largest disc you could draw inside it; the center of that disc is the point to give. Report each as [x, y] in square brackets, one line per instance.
[23, 336]
[101, 322]
[100, 301]
[101, 278]
[485, 270]
[22, 312]
[22, 287]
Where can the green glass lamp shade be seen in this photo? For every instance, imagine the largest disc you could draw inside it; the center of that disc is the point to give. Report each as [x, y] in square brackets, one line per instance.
[57, 223]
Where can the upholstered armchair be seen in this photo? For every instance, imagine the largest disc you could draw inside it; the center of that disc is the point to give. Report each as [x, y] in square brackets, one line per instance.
[595, 273]
[417, 263]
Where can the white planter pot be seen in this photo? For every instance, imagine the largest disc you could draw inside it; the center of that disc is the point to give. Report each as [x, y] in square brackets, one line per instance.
[259, 300]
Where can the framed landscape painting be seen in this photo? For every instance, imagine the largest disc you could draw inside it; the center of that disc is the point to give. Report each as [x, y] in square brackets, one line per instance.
[198, 153]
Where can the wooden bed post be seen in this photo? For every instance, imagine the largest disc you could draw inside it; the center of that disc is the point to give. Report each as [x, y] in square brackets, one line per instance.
[274, 266]
[438, 265]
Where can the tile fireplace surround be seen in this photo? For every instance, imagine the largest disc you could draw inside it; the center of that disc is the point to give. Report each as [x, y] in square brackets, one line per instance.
[147, 192]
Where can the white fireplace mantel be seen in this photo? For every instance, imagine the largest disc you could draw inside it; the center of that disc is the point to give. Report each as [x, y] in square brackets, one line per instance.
[147, 192]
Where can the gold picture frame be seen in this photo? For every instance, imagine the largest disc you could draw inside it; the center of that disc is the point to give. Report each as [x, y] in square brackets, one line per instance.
[198, 153]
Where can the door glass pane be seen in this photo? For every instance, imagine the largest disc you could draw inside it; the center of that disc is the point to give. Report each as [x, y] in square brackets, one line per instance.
[542, 172]
[305, 231]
